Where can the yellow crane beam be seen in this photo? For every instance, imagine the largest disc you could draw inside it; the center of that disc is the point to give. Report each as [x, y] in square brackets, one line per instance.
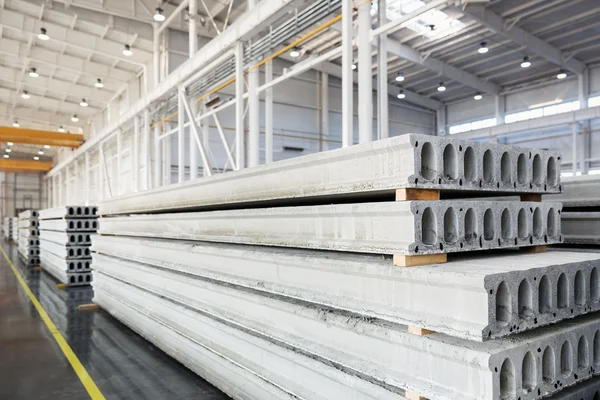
[14, 165]
[40, 138]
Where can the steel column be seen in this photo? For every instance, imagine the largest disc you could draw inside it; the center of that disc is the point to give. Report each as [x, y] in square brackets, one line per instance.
[365, 75]
[253, 119]
[157, 158]
[147, 150]
[574, 131]
[87, 177]
[500, 103]
[135, 159]
[269, 114]
[324, 111]
[383, 124]
[193, 29]
[192, 147]
[180, 136]
[239, 105]
[156, 55]
[194, 130]
[347, 76]
[118, 178]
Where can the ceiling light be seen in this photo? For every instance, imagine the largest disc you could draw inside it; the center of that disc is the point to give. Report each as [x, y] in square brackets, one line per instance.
[25, 94]
[401, 95]
[399, 77]
[41, 153]
[42, 35]
[478, 96]
[10, 143]
[441, 88]
[46, 146]
[16, 124]
[295, 52]
[61, 129]
[6, 156]
[33, 73]
[83, 103]
[561, 74]
[7, 150]
[127, 51]
[99, 83]
[74, 118]
[353, 66]
[526, 63]
[483, 48]
[36, 158]
[158, 15]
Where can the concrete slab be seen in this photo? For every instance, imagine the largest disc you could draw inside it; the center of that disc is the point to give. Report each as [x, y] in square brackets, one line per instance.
[581, 227]
[67, 239]
[74, 211]
[70, 225]
[227, 357]
[79, 265]
[587, 390]
[407, 228]
[435, 366]
[461, 298]
[579, 191]
[376, 168]
[66, 252]
[57, 268]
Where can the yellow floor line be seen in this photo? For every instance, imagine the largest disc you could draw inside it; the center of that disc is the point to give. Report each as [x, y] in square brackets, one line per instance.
[79, 369]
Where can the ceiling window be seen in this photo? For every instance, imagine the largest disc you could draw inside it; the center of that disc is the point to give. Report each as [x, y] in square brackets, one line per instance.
[469, 126]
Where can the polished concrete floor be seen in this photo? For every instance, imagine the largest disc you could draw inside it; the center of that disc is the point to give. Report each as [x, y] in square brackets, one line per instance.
[122, 364]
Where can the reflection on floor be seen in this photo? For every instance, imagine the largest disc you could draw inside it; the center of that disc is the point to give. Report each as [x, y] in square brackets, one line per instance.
[122, 364]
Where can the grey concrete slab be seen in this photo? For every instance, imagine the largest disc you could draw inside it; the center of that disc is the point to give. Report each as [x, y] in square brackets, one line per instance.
[587, 390]
[66, 252]
[411, 227]
[477, 298]
[78, 265]
[70, 225]
[60, 271]
[581, 227]
[65, 238]
[578, 191]
[72, 211]
[533, 365]
[227, 357]
[379, 167]
[29, 214]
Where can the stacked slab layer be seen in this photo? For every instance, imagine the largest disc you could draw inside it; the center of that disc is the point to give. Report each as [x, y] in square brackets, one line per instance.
[278, 281]
[29, 238]
[65, 238]
[581, 219]
[8, 225]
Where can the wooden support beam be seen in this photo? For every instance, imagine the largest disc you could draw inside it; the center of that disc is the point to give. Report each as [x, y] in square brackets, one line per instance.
[28, 166]
[40, 138]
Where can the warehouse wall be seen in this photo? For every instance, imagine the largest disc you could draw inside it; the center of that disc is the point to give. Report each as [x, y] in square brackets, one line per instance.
[20, 192]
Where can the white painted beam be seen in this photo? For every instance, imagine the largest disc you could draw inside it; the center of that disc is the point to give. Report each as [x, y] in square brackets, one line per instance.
[532, 43]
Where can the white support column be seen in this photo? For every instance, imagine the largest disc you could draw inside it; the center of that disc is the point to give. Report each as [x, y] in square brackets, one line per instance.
[180, 136]
[147, 151]
[441, 120]
[347, 76]
[193, 148]
[583, 88]
[87, 177]
[574, 133]
[253, 119]
[117, 179]
[500, 103]
[156, 55]
[167, 161]
[102, 168]
[324, 111]
[269, 114]
[205, 130]
[157, 158]
[193, 28]
[198, 139]
[76, 182]
[60, 188]
[239, 106]
[383, 123]
[365, 75]
[135, 157]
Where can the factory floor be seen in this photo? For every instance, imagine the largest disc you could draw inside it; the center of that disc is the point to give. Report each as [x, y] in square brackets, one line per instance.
[120, 363]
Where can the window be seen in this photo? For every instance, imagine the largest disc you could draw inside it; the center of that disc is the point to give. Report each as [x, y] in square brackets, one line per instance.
[543, 111]
[594, 101]
[469, 126]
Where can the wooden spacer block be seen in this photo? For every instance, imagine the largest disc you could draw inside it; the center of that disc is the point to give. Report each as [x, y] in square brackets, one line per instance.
[61, 286]
[531, 197]
[401, 260]
[88, 307]
[414, 396]
[535, 249]
[417, 194]
[415, 330]
[38, 268]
